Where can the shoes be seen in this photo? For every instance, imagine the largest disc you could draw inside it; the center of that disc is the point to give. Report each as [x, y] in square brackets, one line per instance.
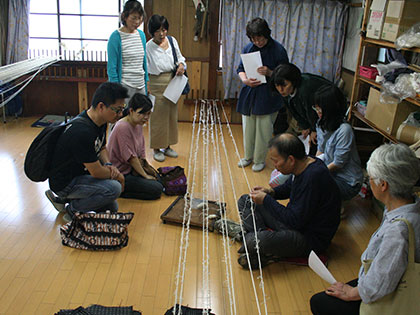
[244, 162]
[159, 156]
[57, 202]
[171, 153]
[233, 228]
[265, 260]
[258, 167]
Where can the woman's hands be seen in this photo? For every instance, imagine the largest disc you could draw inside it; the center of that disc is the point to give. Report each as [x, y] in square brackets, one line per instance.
[264, 70]
[343, 291]
[180, 70]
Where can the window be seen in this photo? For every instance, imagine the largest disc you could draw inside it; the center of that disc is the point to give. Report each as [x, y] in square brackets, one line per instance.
[74, 29]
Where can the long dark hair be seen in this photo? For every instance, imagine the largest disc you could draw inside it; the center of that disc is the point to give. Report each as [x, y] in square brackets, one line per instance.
[138, 101]
[333, 104]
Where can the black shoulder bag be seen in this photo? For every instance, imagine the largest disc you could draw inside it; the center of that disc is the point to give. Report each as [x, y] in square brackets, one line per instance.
[187, 86]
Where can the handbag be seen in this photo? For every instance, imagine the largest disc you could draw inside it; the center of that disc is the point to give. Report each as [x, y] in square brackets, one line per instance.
[187, 86]
[173, 179]
[97, 231]
[404, 300]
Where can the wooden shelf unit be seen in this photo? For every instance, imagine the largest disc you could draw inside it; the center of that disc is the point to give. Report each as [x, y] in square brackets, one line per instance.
[358, 80]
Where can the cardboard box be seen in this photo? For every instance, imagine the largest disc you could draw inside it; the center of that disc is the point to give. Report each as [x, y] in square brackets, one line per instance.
[400, 16]
[376, 19]
[387, 117]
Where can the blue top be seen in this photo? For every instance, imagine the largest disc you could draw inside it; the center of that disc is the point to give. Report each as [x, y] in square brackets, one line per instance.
[314, 206]
[261, 100]
[339, 147]
[114, 65]
[388, 249]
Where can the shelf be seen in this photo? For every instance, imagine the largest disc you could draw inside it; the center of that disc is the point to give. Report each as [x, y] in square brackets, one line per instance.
[384, 43]
[415, 101]
[373, 126]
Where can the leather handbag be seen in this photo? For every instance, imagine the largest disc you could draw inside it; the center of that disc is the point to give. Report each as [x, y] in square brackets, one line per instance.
[187, 86]
[404, 300]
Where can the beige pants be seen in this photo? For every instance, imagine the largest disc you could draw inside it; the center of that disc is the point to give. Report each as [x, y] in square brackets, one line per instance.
[257, 131]
[163, 125]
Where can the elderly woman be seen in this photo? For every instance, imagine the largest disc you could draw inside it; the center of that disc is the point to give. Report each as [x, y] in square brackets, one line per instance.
[393, 170]
[127, 51]
[256, 103]
[163, 128]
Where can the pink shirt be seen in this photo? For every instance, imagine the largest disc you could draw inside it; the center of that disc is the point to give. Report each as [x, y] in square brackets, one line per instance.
[125, 142]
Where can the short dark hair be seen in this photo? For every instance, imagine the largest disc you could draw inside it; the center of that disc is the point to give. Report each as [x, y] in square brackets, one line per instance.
[108, 93]
[156, 22]
[288, 144]
[258, 27]
[333, 104]
[285, 71]
[139, 101]
[131, 6]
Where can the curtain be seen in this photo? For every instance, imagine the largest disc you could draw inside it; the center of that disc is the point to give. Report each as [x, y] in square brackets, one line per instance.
[18, 31]
[311, 31]
[3, 30]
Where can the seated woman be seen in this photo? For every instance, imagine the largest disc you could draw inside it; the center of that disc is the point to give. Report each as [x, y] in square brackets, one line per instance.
[336, 144]
[127, 151]
[393, 170]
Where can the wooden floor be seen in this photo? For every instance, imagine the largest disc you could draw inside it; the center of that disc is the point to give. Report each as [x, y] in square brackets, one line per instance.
[38, 275]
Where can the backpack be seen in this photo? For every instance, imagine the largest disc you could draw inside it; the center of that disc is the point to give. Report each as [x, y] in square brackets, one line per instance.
[173, 179]
[39, 157]
[97, 231]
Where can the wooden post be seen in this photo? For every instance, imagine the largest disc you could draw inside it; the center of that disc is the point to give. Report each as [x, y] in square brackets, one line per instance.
[83, 97]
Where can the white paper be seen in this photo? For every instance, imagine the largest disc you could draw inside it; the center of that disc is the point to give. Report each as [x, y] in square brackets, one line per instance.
[316, 265]
[174, 89]
[252, 62]
[152, 99]
[305, 143]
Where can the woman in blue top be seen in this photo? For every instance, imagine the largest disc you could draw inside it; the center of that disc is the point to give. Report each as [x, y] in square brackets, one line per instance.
[336, 143]
[256, 103]
[127, 51]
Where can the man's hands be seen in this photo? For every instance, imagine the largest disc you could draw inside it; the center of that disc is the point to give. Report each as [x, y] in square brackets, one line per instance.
[115, 174]
[258, 194]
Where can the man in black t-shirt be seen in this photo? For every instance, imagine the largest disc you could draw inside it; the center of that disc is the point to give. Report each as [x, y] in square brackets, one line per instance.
[84, 176]
[310, 219]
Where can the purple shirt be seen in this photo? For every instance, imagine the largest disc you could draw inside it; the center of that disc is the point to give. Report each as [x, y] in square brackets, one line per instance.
[125, 142]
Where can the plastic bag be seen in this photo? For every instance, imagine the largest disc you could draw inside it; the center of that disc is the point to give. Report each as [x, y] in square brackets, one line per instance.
[411, 38]
[384, 69]
[406, 85]
[413, 119]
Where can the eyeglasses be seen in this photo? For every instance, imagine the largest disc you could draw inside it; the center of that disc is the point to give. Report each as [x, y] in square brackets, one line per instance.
[118, 110]
[317, 109]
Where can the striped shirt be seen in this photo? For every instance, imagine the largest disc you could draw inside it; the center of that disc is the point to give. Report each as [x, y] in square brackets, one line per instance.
[132, 73]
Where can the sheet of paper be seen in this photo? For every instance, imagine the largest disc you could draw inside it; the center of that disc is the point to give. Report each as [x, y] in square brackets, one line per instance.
[174, 89]
[316, 265]
[152, 99]
[252, 62]
[305, 142]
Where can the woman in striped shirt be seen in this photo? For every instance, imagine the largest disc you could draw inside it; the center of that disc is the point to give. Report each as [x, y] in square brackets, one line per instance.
[127, 62]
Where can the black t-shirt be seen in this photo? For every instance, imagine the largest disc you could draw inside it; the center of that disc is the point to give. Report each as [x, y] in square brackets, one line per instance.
[80, 143]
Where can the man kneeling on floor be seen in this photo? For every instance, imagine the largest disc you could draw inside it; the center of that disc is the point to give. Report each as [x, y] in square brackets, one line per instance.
[84, 177]
[310, 219]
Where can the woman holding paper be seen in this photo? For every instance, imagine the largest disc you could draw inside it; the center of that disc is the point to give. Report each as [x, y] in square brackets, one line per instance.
[256, 103]
[393, 170]
[163, 126]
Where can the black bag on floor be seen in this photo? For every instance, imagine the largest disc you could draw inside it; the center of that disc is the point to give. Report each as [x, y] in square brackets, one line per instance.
[97, 231]
[185, 310]
[100, 310]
